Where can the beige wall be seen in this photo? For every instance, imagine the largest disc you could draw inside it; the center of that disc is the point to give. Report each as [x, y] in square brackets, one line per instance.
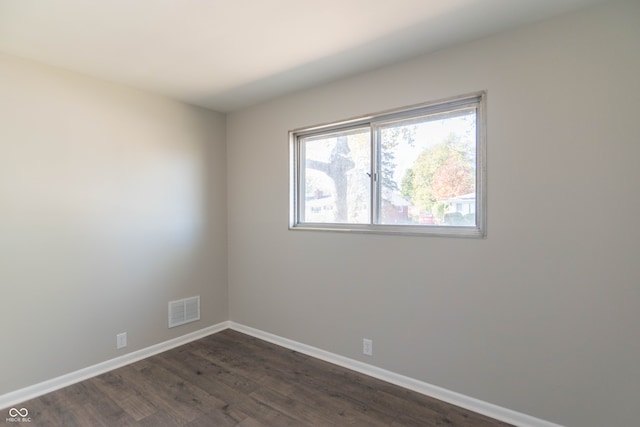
[542, 316]
[112, 203]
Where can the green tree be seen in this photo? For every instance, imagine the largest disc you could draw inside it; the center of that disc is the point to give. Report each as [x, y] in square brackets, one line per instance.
[392, 137]
[407, 184]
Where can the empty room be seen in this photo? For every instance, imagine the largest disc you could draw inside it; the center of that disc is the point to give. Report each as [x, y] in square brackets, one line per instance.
[297, 212]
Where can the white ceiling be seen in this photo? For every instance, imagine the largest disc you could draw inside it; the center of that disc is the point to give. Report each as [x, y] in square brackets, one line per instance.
[228, 54]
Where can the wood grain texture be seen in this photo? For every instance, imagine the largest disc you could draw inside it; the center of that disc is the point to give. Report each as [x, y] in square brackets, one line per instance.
[232, 379]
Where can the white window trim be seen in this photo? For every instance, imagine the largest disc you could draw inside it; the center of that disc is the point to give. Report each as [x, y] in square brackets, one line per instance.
[373, 120]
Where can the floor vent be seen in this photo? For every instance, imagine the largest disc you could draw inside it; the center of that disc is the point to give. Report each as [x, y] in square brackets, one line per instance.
[184, 311]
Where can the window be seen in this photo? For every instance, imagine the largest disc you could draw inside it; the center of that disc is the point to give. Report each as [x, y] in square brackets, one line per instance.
[417, 170]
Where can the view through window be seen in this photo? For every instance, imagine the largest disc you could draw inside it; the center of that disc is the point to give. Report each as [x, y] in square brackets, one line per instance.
[412, 171]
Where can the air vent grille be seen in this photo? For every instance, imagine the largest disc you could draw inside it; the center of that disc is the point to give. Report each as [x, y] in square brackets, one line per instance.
[184, 311]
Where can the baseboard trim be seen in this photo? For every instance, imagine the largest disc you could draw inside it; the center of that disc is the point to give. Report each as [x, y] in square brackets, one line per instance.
[16, 397]
[494, 411]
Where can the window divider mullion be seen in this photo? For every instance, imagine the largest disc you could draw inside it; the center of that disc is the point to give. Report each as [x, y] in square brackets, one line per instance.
[375, 175]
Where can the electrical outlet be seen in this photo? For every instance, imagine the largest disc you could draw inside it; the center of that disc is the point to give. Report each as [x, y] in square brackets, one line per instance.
[367, 347]
[121, 340]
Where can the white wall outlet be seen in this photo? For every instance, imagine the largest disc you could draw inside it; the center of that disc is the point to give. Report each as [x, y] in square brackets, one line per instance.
[367, 347]
[121, 340]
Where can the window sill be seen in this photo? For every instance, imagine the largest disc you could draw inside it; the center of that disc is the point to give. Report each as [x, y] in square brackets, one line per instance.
[473, 232]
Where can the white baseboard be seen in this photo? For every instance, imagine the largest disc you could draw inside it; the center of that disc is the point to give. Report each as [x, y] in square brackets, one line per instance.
[503, 414]
[15, 397]
[470, 403]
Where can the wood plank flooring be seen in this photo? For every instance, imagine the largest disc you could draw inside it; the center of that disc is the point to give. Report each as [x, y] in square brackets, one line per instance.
[232, 379]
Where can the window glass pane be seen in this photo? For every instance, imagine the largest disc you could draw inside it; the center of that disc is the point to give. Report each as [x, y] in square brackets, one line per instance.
[417, 170]
[335, 177]
[428, 170]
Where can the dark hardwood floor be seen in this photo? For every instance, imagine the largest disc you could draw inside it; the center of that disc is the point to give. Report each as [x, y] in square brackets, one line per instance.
[231, 379]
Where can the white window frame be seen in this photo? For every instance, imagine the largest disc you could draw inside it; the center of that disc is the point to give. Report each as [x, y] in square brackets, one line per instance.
[373, 121]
